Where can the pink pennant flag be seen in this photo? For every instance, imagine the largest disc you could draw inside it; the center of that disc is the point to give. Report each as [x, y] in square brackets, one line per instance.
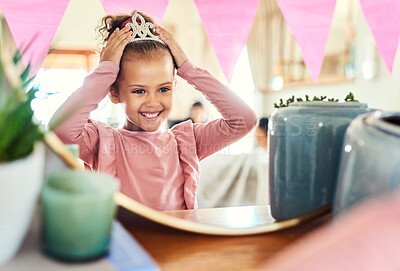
[310, 22]
[153, 8]
[227, 24]
[383, 18]
[33, 25]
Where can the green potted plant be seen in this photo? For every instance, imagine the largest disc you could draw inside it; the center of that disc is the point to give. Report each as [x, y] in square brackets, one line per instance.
[21, 153]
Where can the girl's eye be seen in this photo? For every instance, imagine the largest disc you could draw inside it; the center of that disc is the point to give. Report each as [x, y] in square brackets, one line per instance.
[163, 89]
[138, 91]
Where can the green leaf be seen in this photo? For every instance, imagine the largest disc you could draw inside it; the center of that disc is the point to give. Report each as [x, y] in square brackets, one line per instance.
[17, 57]
[19, 132]
[25, 73]
[27, 82]
[349, 98]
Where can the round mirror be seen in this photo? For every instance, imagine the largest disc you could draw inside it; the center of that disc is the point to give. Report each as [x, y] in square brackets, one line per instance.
[218, 214]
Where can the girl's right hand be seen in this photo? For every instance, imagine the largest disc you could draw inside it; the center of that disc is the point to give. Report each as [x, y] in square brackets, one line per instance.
[115, 45]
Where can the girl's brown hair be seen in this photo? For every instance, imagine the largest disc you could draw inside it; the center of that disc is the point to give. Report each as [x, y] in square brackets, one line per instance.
[143, 48]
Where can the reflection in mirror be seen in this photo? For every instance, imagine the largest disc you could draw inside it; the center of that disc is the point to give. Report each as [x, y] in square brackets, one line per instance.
[65, 68]
[156, 167]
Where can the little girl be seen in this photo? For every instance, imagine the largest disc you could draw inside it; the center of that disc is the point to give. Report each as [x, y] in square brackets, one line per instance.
[137, 69]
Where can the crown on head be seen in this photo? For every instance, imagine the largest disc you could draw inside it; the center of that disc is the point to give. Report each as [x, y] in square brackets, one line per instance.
[142, 30]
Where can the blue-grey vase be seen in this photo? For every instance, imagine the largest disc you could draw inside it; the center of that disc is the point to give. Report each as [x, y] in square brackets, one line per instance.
[305, 141]
[370, 164]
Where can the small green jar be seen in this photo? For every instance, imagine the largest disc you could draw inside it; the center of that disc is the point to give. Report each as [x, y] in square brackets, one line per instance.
[77, 213]
[305, 141]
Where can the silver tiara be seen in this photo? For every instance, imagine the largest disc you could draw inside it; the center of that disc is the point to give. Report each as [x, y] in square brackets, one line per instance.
[142, 31]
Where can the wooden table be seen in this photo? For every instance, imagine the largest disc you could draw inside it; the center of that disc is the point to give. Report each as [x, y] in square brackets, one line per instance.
[179, 250]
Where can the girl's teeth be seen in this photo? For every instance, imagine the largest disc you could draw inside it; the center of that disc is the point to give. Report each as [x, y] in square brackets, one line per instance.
[150, 115]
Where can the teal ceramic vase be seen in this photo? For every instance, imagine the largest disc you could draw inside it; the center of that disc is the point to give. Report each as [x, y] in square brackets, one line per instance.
[77, 214]
[370, 164]
[305, 141]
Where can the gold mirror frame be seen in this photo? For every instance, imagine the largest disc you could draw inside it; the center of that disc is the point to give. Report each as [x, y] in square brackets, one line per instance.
[197, 227]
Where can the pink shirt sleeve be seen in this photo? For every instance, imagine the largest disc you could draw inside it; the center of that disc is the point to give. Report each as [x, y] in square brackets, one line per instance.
[76, 128]
[237, 117]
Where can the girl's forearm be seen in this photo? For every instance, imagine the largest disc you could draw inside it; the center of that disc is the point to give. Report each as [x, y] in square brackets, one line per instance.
[239, 117]
[75, 111]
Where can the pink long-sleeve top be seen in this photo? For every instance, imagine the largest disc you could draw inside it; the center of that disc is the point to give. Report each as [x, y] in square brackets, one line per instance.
[159, 169]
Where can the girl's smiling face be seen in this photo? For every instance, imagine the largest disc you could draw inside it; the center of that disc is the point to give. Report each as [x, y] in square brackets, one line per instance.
[145, 90]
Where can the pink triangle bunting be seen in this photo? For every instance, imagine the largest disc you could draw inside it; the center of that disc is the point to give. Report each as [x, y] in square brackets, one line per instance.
[154, 8]
[310, 22]
[33, 25]
[227, 24]
[384, 22]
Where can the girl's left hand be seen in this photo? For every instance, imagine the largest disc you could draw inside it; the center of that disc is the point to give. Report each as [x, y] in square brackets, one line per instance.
[176, 50]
